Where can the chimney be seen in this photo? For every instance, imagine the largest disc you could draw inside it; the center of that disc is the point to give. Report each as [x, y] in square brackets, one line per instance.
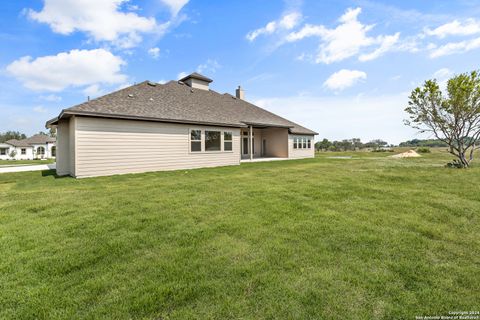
[239, 93]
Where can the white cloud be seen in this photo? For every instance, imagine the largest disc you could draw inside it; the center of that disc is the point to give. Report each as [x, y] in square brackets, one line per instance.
[455, 28]
[51, 98]
[343, 79]
[287, 22]
[455, 47]
[386, 44]
[346, 40]
[102, 20]
[93, 91]
[209, 66]
[154, 52]
[182, 74]
[39, 109]
[442, 74]
[76, 68]
[175, 5]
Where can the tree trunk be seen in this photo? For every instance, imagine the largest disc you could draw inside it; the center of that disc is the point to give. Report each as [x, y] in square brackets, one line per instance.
[463, 159]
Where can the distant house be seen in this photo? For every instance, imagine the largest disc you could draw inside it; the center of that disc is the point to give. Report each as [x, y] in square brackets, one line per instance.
[178, 125]
[38, 146]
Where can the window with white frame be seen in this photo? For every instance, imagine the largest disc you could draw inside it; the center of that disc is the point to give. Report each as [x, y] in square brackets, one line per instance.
[3, 151]
[227, 141]
[23, 151]
[212, 140]
[195, 140]
[302, 142]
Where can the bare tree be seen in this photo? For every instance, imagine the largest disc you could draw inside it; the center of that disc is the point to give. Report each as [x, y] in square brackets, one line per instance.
[453, 118]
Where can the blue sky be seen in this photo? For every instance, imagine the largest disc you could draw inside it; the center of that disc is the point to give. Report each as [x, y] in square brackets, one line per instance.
[342, 68]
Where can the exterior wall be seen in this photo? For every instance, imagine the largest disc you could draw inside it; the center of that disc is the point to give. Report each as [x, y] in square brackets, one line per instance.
[276, 142]
[197, 84]
[72, 143]
[49, 147]
[111, 146]
[48, 150]
[300, 153]
[19, 156]
[64, 153]
[7, 149]
[28, 153]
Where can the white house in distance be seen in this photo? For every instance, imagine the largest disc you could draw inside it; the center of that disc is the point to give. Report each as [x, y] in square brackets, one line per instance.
[39, 146]
[178, 125]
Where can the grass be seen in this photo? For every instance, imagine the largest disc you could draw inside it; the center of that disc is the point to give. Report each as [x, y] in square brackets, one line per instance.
[11, 163]
[363, 238]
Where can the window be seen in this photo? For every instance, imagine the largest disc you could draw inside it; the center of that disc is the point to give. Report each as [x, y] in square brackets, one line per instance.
[309, 144]
[54, 151]
[227, 141]
[212, 140]
[196, 140]
[304, 143]
[295, 143]
[41, 151]
[3, 152]
[24, 151]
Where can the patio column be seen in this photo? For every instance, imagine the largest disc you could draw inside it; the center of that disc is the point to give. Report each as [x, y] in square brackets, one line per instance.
[250, 144]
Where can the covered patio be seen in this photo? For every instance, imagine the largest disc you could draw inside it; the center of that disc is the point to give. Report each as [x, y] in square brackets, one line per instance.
[263, 142]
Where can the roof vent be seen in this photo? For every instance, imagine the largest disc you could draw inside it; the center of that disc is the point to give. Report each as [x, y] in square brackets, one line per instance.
[153, 84]
[130, 95]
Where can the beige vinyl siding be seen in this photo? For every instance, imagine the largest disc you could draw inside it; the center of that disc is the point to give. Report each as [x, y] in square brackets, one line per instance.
[300, 153]
[65, 149]
[276, 142]
[110, 146]
[72, 145]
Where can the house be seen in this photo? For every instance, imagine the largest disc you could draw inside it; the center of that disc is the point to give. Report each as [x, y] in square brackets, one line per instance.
[39, 146]
[177, 125]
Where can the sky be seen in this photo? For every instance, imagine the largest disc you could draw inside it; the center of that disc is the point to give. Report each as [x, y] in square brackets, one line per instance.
[342, 68]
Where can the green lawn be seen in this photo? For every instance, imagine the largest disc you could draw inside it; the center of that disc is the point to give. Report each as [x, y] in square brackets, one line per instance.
[11, 163]
[363, 238]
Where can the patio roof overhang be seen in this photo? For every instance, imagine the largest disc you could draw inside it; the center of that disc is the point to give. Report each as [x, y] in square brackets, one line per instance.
[265, 125]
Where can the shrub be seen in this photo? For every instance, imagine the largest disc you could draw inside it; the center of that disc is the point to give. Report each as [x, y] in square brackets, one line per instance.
[454, 164]
[383, 150]
[423, 150]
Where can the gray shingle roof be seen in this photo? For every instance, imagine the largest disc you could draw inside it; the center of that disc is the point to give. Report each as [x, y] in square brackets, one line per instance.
[196, 76]
[177, 102]
[17, 143]
[39, 139]
[35, 139]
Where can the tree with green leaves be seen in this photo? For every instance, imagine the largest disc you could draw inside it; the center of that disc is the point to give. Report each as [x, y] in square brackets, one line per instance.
[453, 118]
[53, 132]
[323, 145]
[8, 135]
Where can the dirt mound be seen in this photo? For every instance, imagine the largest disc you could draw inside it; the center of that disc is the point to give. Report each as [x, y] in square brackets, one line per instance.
[408, 154]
